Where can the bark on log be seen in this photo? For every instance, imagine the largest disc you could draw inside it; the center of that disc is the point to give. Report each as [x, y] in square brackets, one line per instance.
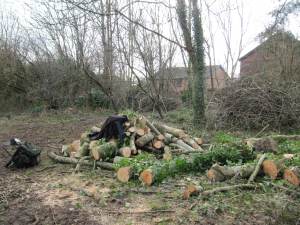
[132, 144]
[124, 174]
[67, 160]
[125, 152]
[257, 168]
[180, 143]
[104, 151]
[171, 130]
[228, 188]
[220, 173]
[292, 175]
[153, 128]
[83, 150]
[191, 142]
[142, 141]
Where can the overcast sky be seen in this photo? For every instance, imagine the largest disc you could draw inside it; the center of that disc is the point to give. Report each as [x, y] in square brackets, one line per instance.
[256, 13]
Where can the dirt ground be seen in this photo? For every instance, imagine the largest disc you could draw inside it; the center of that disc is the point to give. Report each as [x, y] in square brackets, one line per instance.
[51, 194]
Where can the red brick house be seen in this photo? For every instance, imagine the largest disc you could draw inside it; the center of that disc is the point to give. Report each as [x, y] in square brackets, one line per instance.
[177, 78]
[277, 55]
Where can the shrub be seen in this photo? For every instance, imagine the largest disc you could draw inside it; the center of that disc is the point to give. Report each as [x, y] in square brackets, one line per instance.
[254, 103]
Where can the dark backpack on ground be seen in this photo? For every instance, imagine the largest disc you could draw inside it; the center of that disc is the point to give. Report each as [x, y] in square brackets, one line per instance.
[26, 155]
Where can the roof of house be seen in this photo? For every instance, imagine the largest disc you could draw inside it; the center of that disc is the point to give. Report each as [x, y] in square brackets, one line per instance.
[280, 35]
[182, 72]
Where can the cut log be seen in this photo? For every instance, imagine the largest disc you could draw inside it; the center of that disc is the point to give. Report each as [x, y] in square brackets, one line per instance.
[141, 122]
[83, 150]
[228, 188]
[158, 144]
[95, 129]
[124, 174]
[191, 142]
[153, 128]
[127, 125]
[257, 168]
[67, 160]
[220, 173]
[140, 132]
[127, 133]
[132, 144]
[167, 153]
[147, 177]
[168, 138]
[75, 146]
[180, 143]
[104, 151]
[166, 129]
[132, 129]
[160, 137]
[273, 168]
[125, 152]
[199, 141]
[191, 190]
[292, 175]
[142, 141]
[65, 150]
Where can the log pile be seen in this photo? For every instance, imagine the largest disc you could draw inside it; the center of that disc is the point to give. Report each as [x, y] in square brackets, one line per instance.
[173, 151]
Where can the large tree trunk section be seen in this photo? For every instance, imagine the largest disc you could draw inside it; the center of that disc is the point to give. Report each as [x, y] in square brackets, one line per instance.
[273, 168]
[67, 160]
[292, 175]
[171, 130]
[148, 177]
[124, 174]
[221, 173]
[83, 150]
[104, 151]
[125, 152]
[142, 141]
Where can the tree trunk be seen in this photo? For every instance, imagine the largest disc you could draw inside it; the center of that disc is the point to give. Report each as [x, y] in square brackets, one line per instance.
[104, 151]
[125, 152]
[67, 160]
[171, 130]
[220, 173]
[124, 174]
[273, 168]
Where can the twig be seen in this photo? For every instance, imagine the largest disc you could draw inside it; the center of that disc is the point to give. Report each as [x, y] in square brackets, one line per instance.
[262, 130]
[45, 168]
[285, 189]
[257, 168]
[142, 212]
